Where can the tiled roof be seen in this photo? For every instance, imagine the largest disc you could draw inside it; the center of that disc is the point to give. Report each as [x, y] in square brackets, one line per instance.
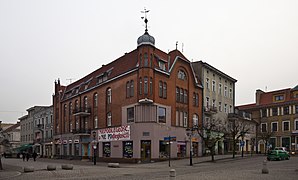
[11, 128]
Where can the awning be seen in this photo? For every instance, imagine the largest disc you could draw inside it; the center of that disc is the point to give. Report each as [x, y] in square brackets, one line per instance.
[23, 147]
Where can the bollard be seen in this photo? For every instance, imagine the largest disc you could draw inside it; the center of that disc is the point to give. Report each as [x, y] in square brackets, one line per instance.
[172, 174]
[265, 169]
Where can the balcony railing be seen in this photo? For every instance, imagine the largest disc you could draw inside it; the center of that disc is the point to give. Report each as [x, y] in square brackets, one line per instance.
[81, 131]
[82, 111]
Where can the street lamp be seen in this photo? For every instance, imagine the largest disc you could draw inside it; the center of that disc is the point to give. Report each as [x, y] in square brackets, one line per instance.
[94, 147]
[190, 133]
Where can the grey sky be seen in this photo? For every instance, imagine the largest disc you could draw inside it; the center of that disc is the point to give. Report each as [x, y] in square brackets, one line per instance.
[254, 41]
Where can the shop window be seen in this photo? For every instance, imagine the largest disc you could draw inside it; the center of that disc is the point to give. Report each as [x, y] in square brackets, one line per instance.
[106, 152]
[77, 149]
[127, 149]
[163, 149]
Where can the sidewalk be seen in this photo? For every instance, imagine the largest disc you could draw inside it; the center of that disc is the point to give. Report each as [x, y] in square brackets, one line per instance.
[14, 167]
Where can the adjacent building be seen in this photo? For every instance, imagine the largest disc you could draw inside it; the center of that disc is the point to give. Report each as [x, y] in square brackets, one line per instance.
[276, 113]
[218, 96]
[130, 108]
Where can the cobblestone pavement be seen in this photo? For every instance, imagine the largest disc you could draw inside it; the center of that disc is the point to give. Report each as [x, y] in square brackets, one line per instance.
[224, 168]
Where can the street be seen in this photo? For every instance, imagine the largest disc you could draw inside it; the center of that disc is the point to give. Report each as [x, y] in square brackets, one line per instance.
[224, 168]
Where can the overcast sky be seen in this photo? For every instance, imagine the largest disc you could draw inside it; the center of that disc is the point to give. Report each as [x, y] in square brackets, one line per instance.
[253, 41]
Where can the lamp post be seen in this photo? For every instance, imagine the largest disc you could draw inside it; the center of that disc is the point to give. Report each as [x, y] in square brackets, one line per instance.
[94, 147]
[189, 133]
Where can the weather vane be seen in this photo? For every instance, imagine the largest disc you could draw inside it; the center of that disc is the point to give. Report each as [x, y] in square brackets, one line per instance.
[146, 20]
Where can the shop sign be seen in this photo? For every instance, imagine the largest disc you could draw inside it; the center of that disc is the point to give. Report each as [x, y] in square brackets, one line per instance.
[114, 134]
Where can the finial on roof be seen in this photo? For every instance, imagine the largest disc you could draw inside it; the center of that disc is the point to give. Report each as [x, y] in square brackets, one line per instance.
[146, 38]
[145, 20]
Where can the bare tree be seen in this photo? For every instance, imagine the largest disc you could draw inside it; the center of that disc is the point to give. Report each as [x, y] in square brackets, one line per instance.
[211, 132]
[265, 137]
[237, 128]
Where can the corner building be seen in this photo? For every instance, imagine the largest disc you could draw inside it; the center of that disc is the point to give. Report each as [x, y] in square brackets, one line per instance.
[126, 110]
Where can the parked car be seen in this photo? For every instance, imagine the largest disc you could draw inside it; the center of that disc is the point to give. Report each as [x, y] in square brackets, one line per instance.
[278, 155]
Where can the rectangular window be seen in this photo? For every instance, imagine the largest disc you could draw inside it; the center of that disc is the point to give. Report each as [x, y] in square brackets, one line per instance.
[130, 114]
[231, 93]
[185, 117]
[162, 65]
[213, 103]
[296, 125]
[131, 88]
[226, 108]
[181, 95]
[109, 119]
[127, 89]
[177, 94]
[264, 112]
[220, 88]
[274, 111]
[296, 109]
[279, 98]
[286, 110]
[207, 83]
[207, 102]
[185, 97]
[226, 91]
[160, 89]
[213, 86]
[264, 127]
[286, 125]
[274, 127]
[164, 90]
[162, 115]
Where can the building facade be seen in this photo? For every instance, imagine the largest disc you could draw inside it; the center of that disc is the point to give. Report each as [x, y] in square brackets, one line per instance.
[130, 108]
[277, 115]
[218, 96]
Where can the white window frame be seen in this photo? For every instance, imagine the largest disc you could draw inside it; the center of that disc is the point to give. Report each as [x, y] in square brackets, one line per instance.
[283, 128]
[266, 127]
[276, 126]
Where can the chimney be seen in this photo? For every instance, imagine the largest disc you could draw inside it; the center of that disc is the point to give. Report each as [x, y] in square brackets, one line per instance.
[258, 96]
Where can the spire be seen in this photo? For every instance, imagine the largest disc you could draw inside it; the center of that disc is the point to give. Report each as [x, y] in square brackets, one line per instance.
[145, 20]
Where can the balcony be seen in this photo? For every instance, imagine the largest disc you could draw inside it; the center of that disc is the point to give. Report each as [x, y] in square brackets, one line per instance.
[82, 131]
[210, 110]
[82, 111]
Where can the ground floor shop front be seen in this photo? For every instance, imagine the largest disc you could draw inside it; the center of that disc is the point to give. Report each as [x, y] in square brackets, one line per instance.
[137, 142]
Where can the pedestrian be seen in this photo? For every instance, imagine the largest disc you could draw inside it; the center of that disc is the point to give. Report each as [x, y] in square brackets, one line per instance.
[23, 155]
[34, 155]
[27, 156]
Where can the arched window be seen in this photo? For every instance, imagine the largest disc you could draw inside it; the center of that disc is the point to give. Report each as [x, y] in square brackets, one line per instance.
[109, 96]
[150, 86]
[109, 119]
[146, 85]
[195, 120]
[131, 88]
[164, 90]
[95, 100]
[160, 89]
[127, 89]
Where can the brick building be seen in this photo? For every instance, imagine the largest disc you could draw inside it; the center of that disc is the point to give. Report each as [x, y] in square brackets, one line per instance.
[277, 115]
[127, 108]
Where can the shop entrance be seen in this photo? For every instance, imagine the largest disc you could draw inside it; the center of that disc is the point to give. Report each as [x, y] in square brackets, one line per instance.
[145, 150]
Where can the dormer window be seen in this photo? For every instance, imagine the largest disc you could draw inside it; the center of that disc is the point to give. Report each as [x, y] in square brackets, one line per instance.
[279, 98]
[162, 65]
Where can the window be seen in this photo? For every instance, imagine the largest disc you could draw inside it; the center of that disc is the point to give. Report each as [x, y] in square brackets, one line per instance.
[162, 115]
[181, 95]
[226, 108]
[64, 112]
[195, 120]
[185, 97]
[150, 86]
[146, 60]
[207, 83]
[85, 102]
[109, 96]
[231, 109]
[162, 65]
[70, 112]
[263, 127]
[127, 89]
[140, 86]
[177, 94]
[131, 88]
[95, 122]
[213, 103]
[220, 88]
[106, 152]
[181, 75]
[296, 125]
[264, 112]
[286, 125]
[130, 114]
[165, 90]
[95, 101]
[219, 106]
[109, 119]
[226, 91]
[274, 111]
[213, 86]
[231, 93]
[274, 126]
[160, 89]
[279, 98]
[296, 109]
[127, 149]
[145, 85]
[286, 110]
[195, 99]
[207, 102]
[185, 117]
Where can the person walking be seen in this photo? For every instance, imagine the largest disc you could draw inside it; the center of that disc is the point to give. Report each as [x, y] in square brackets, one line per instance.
[34, 155]
[23, 155]
[27, 156]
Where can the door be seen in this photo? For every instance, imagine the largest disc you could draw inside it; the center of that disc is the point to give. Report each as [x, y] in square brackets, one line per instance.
[145, 150]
